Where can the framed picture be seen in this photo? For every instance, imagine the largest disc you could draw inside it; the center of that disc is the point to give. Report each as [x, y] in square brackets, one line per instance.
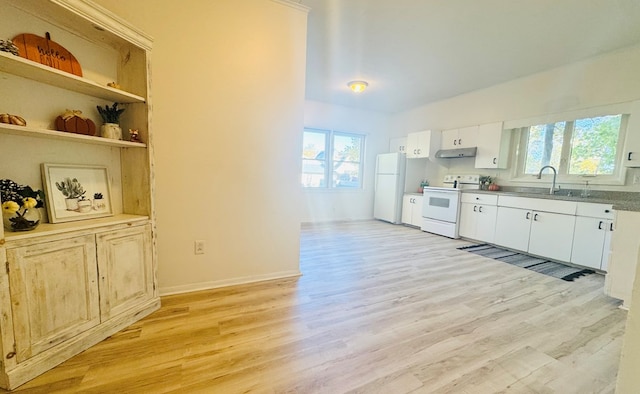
[76, 192]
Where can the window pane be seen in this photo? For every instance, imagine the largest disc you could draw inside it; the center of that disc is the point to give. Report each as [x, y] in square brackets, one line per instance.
[314, 162]
[346, 147]
[313, 173]
[593, 145]
[347, 175]
[314, 144]
[544, 146]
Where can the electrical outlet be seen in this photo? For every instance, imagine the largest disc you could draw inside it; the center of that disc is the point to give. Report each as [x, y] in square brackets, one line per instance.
[636, 179]
[198, 247]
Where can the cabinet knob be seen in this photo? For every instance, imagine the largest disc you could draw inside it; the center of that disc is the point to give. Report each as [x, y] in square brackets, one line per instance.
[607, 211]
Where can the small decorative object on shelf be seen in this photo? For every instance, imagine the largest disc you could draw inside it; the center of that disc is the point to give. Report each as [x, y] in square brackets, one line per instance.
[20, 205]
[44, 51]
[114, 85]
[13, 119]
[111, 118]
[9, 46]
[73, 122]
[133, 135]
[423, 184]
[494, 187]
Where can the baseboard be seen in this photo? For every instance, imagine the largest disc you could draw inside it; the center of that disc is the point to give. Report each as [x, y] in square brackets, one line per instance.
[165, 291]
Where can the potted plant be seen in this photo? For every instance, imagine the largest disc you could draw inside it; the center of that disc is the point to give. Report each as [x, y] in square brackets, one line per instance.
[485, 181]
[20, 205]
[72, 191]
[111, 118]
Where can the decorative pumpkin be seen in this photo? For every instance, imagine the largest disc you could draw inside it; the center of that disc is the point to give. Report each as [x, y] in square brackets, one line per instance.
[44, 51]
[494, 187]
[73, 122]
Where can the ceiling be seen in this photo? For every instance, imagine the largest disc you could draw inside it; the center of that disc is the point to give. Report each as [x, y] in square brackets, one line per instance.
[414, 52]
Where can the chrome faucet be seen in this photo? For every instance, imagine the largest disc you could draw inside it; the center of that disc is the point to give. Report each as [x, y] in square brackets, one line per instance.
[553, 185]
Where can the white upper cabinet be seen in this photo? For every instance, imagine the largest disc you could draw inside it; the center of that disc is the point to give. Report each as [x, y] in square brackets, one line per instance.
[398, 145]
[465, 137]
[493, 146]
[422, 144]
[632, 143]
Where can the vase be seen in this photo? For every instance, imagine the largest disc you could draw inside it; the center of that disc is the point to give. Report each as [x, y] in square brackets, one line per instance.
[111, 130]
[22, 220]
[84, 206]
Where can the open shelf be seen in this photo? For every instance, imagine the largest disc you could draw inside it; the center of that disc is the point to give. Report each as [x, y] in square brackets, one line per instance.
[62, 135]
[28, 69]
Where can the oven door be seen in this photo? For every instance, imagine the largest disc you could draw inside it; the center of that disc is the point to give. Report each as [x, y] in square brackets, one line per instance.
[441, 204]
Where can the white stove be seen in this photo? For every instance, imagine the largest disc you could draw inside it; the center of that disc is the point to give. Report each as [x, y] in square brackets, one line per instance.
[441, 205]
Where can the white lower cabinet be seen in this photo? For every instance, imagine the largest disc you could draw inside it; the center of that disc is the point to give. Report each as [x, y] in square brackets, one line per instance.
[623, 260]
[540, 227]
[54, 293]
[478, 214]
[592, 236]
[551, 235]
[412, 209]
[68, 291]
[512, 228]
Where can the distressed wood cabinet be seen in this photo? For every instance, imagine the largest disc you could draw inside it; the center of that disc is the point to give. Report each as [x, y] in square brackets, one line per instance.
[67, 286]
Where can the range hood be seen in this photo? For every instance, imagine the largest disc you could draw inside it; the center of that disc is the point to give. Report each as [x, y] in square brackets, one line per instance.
[456, 153]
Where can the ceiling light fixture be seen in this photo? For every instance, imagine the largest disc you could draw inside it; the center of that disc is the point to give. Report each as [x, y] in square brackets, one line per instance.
[358, 86]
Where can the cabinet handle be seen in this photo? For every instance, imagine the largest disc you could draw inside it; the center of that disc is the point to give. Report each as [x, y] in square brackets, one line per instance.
[611, 226]
[419, 151]
[495, 160]
[528, 215]
[460, 141]
[535, 217]
[11, 355]
[474, 208]
[629, 156]
[480, 209]
[455, 142]
[414, 152]
[600, 225]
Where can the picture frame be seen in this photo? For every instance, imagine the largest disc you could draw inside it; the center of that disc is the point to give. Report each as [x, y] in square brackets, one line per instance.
[76, 192]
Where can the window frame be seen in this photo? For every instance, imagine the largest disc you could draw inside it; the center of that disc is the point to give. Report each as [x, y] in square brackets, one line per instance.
[522, 141]
[329, 160]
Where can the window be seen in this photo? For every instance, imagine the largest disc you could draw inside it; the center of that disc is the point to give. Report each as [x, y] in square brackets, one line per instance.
[332, 159]
[577, 148]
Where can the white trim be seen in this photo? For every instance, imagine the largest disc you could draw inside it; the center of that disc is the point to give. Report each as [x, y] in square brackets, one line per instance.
[611, 109]
[165, 291]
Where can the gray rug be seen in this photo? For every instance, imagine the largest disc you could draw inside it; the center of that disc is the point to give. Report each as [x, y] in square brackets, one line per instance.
[537, 264]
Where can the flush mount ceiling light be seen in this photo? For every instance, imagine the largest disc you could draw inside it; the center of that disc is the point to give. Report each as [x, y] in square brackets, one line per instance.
[358, 86]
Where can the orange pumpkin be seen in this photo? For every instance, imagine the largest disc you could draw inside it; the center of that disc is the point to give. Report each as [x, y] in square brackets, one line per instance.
[493, 187]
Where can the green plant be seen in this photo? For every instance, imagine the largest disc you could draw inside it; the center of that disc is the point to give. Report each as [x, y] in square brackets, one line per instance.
[71, 188]
[485, 179]
[110, 114]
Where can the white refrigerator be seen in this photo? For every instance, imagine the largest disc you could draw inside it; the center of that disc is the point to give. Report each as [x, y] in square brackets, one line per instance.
[389, 187]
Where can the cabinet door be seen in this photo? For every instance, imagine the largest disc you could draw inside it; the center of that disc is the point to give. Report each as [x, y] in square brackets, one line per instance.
[398, 145]
[468, 220]
[493, 146]
[467, 137]
[623, 259]
[632, 141]
[54, 293]
[126, 270]
[486, 223]
[588, 241]
[552, 235]
[513, 227]
[419, 144]
[450, 139]
[407, 207]
[416, 212]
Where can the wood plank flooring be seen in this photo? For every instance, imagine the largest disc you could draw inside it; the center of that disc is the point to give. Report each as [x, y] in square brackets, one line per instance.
[379, 309]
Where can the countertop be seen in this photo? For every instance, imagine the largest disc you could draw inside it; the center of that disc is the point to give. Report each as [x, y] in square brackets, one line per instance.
[621, 201]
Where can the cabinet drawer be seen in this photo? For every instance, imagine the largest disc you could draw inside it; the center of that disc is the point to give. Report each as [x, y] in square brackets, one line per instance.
[601, 211]
[480, 198]
[538, 204]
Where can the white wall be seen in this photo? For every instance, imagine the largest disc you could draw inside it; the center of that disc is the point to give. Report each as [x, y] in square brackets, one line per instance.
[331, 205]
[607, 79]
[228, 102]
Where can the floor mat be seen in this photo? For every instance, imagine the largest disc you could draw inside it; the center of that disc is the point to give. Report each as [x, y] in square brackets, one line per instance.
[537, 264]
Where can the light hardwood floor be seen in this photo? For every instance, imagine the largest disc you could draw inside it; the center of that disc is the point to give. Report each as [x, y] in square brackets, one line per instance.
[379, 309]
